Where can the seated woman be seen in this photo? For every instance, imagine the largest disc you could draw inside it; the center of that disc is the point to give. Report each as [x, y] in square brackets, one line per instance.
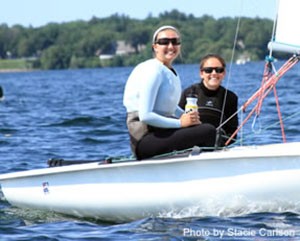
[212, 96]
[156, 123]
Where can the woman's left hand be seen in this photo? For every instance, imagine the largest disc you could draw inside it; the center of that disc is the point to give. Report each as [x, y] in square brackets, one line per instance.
[190, 119]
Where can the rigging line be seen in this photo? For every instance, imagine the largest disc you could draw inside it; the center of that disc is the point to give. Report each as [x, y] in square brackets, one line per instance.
[241, 125]
[229, 118]
[296, 113]
[292, 115]
[266, 76]
[274, 28]
[230, 68]
[279, 115]
[269, 85]
[273, 79]
[269, 66]
[240, 110]
[248, 116]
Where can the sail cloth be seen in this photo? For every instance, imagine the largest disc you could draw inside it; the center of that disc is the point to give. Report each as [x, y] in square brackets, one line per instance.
[287, 34]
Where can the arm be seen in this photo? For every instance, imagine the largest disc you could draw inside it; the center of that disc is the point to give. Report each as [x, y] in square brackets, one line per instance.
[158, 99]
[179, 112]
[186, 119]
[151, 97]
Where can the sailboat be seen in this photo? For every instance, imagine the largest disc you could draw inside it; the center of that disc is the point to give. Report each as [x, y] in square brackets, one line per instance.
[264, 176]
[1, 93]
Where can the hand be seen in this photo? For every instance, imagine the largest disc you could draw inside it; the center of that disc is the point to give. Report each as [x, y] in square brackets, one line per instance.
[190, 119]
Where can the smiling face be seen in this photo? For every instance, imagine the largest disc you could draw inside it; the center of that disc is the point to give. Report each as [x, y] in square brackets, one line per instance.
[211, 73]
[167, 46]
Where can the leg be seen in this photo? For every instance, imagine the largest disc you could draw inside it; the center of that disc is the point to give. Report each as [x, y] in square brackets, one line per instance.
[161, 141]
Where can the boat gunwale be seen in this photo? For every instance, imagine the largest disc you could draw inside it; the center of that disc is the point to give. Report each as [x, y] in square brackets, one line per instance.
[238, 152]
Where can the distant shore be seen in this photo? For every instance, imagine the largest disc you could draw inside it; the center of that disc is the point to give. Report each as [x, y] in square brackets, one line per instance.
[15, 70]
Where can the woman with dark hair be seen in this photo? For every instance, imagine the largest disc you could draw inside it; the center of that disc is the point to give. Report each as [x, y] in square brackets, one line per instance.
[216, 104]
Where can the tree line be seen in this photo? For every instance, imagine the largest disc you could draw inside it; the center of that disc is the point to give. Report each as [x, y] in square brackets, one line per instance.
[78, 44]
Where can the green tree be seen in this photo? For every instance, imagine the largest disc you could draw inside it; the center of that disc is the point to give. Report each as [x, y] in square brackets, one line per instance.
[77, 44]
[137, 35]
[55, 57]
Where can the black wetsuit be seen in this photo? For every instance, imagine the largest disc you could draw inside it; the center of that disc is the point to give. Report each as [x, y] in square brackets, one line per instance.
[210, 105]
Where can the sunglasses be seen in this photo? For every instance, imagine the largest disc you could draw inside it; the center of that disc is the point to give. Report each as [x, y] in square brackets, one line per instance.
[209, 70]
[167, 41]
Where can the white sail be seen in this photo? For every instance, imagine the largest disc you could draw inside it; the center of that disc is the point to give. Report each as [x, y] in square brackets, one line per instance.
[287, 34]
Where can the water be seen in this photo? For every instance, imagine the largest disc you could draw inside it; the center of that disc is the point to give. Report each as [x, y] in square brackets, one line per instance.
[78, 114]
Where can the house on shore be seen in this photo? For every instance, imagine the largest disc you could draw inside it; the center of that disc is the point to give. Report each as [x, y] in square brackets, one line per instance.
[122, 48]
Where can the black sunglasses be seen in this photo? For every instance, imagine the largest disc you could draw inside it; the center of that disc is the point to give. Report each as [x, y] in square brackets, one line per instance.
[167, 41]
[209, 70]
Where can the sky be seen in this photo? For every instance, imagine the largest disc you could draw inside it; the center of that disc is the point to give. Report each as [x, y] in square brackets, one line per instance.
[37, 13]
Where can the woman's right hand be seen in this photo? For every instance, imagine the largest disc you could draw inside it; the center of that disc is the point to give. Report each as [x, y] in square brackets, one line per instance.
[190, 119]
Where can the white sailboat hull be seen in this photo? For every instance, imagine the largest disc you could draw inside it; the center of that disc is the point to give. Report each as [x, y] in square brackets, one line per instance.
[210, 183]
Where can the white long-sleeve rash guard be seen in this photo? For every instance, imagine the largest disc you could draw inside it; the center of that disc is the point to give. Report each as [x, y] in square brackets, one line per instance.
[154, 91]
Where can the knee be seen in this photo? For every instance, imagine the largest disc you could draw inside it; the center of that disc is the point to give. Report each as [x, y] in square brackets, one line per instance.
[211, 134]
[210, 129]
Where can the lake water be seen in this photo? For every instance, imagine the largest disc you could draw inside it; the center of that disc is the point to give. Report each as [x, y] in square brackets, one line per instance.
[78, 114]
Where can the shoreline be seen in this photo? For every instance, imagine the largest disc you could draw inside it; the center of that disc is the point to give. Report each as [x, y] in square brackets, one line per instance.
[15, 70]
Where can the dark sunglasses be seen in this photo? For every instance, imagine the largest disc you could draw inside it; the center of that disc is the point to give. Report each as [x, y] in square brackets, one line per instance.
[167, 41]
[209, 70]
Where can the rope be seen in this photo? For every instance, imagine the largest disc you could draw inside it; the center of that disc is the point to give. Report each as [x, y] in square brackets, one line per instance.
[279, 115]
[297, 113]
[268, 85]
[229, 71]
[221, 123]
[185, 152]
